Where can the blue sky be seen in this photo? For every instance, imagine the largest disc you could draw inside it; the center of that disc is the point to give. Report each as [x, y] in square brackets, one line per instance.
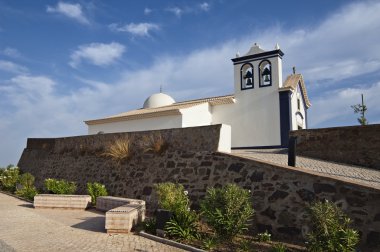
[62, 62]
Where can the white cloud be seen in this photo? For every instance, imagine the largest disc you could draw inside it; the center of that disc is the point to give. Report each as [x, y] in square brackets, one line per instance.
[204, 6]
[141, 29]
[175, 10]
[11, 52]
[73, 11]
[98, 54]
[334, 108]
[147, 11]
[11, 67]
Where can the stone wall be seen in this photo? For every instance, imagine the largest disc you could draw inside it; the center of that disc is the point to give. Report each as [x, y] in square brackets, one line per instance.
[358, 145]
[280, 194]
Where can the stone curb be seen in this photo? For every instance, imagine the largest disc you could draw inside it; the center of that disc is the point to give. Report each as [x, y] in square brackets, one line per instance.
[15, 196]
[169, 242]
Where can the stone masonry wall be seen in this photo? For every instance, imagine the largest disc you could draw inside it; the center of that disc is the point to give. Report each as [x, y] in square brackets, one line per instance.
[280, 194]
[358, 145]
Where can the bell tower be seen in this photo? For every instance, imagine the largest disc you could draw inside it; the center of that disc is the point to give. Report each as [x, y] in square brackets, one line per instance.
[257, 70]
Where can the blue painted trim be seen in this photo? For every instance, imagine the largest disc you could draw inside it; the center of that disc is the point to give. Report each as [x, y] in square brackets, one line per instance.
[241, 77]
[270, 63]
[247, 61]
[285, 116]
[278, 53]
[258, 147]
[306, 123]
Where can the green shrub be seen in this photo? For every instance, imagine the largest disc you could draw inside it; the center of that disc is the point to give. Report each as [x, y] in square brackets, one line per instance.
[209, 243]
[9, 178]
[245, 245]
[150, 226]
[279, 247]
[27, 193]
[227, 210]
[173, 197]
[60, 186]
[27, 189]
[264, 237]
[330, 229]
[95, 190]
[183, 226]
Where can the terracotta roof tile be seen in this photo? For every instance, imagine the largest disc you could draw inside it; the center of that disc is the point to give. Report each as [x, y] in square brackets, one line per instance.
[292, 81]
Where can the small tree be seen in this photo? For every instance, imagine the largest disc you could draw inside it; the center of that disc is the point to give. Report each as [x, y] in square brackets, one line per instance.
[330, 229]
[360, 109]
[227, 210]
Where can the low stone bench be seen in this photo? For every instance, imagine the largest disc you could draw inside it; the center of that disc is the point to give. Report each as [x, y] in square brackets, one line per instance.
[121, 213]
[106, 203]
[62, 201]
[123, 218]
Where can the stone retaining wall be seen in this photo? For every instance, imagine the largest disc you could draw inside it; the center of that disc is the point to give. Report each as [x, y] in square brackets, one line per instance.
[280, 194]
[358, 145]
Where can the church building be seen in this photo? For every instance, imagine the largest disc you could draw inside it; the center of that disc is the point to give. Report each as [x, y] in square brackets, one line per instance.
[261, 112]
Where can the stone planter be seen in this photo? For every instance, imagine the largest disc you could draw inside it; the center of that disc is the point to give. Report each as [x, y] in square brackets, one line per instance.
[123, 218]
[62, 201]
[106, 203]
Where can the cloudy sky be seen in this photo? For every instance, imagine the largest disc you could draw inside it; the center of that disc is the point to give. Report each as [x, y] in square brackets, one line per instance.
[65, 62]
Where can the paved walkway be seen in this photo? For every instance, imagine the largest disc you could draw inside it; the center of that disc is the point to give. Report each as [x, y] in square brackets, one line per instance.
[362, 175]
[23, 228]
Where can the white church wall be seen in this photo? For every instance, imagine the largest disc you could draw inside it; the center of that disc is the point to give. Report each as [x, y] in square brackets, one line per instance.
[154, 123]
[225, 139]
[254, 118]
[198, 115]
[298, 114]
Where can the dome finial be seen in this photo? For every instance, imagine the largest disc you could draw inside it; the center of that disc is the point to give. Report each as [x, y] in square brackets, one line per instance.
[160, 88]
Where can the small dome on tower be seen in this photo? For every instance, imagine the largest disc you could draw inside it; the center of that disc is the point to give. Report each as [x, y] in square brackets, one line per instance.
[158, 100]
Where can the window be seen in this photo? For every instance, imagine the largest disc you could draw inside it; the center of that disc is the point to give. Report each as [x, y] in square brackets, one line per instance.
[246, 76]
[265, 72]
[298, 104]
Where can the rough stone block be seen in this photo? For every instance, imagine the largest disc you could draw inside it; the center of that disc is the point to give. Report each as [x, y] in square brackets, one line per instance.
[123, 218]
[106, 203]
[62, 201]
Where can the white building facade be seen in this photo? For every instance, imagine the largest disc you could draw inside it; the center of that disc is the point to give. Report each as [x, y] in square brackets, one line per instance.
[261, 112]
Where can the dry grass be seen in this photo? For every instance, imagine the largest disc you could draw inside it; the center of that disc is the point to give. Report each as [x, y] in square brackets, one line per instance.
[119, 150]
[155, 143]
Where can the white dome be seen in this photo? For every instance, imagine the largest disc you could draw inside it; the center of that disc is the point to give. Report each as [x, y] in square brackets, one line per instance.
[158, 100]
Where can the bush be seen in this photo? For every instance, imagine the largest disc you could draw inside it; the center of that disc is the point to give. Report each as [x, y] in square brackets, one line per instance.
[155, 143]
[264, 237]
[27, 189]
[150, 226]
[279, 247]
[119, 150]
[9, 178]
[173, 197]
[95, 190]
[60, 186]
[330, 229]
[227, 210]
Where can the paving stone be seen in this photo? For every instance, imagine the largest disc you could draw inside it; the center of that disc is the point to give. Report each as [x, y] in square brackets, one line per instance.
[24, 228]
[359, 174]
